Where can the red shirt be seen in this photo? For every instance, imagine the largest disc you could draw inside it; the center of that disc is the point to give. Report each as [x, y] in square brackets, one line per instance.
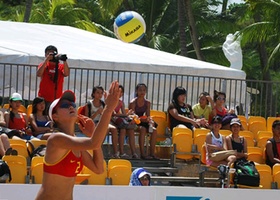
[17, 123]
[68, 166]
[47, 85]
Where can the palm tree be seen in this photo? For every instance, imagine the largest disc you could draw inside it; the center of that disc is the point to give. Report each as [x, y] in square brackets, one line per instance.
[28, 8]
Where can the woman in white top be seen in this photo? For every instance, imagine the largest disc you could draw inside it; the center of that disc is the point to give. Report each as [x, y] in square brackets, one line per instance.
[216, 142]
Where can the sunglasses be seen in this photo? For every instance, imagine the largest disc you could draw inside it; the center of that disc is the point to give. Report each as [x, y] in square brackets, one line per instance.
[221, 98]
[67, 105]
[145, 178]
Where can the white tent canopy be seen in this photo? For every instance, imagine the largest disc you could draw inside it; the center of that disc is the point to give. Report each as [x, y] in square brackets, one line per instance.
[24, 43]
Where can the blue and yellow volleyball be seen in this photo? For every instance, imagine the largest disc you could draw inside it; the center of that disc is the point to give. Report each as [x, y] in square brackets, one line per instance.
[129, 27]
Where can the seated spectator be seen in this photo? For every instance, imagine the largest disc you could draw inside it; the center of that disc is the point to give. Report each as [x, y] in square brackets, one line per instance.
[273, 145]
[97, 106]
[128, 129]
[215, 142]
[220, 110]
[142, 107]
[17, 120]
[140, 177]
[40, 123]
[202, 109]
[236, 142]
[180, 113]
[5, 148]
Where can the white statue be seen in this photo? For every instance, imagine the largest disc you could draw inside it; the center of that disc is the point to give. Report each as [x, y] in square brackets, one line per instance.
[232, 51]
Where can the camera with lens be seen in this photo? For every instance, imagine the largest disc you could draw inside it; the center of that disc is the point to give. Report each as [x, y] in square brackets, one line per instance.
[57, 57]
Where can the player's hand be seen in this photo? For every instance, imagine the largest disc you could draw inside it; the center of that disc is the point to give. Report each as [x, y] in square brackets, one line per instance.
[113, 95]
[86, 125]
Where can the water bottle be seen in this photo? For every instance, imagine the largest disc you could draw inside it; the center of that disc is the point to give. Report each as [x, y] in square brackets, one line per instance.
[151, 127]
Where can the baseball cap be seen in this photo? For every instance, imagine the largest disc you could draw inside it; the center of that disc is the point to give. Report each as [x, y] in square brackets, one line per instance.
[66, 95]
[216, 119]
[235, 121]
[143, 172]
[16, 97]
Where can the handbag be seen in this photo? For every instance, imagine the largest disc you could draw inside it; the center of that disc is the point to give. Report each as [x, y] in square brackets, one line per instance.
[9, 132]
[123, 122]
[221, 155]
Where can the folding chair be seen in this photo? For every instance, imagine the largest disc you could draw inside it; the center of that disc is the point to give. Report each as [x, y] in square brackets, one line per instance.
[36, 170]
[96, 179]
[18, 168]
[265, 175]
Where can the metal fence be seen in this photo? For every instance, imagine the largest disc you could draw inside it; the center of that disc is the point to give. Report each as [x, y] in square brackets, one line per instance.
[248, 97]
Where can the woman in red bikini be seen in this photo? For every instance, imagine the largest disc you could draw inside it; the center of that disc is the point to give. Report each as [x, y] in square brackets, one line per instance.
[66, 154]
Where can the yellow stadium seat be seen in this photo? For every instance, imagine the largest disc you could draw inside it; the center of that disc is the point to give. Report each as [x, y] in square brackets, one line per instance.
[246, 134]
[81, 178]
[269, 122]
[6, 106]
[256, 118]
[242, 118]
[20, 146]
[255, 127]
[261, 134]
[36, 169]
[276, 174]
[181, 129]
[157, 113]
[96, 179]
[29, 110]
[199, 140]
[22, 109]
[200, 131]
[182, 146]
[119, 171]
[255, 154]
[262, 141]
[265, 175]
[225, 132]
[18, 168]
[161, 128]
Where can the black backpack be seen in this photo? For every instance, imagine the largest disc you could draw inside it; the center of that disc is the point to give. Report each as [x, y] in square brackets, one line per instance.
[4, 171]
[39, 151]
[246, 173]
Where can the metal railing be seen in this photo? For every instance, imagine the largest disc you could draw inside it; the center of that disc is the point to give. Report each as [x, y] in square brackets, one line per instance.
[248, 97]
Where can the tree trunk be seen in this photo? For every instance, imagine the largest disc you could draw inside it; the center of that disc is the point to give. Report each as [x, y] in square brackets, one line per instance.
[193, 30]
[182, 26]
[28, 8]
[224, 7]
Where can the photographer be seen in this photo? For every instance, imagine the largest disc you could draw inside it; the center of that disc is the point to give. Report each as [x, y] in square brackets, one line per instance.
[52, 72]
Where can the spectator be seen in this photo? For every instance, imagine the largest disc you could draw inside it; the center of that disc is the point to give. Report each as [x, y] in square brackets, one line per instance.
[39, 121]
[141, 107]
[59, 173]
[140, 177]
[236, 142]
[52, 74]
[273, 145]
[202, 109]
[180, 113]
[220, 110]
[97, 106]
[128, 129]
[5, 148]
[215, 142]
[17, 120]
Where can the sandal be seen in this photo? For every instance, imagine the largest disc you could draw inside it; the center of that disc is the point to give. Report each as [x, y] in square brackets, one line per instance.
[124, 156]
[135, 156]
[154, 157]
[146, 157]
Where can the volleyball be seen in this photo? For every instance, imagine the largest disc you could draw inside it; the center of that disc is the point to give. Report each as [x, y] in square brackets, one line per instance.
[129, 27]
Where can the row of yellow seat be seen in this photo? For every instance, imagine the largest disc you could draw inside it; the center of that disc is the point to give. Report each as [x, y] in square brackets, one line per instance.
[22, 146]
[116, 172]
[183, 144]
[22, 108]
